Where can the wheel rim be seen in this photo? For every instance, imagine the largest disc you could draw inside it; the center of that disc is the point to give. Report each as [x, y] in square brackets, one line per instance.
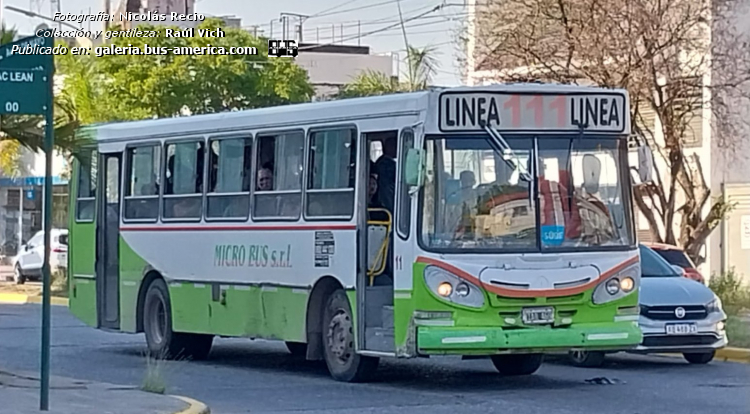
[340, 337]
[158, 320]
[579, 356]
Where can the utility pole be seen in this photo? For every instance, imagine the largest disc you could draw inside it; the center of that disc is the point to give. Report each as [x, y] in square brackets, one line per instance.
[106, 10]
[300, 17]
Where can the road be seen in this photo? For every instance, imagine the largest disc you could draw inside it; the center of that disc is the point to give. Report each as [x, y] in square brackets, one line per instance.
[244, 376]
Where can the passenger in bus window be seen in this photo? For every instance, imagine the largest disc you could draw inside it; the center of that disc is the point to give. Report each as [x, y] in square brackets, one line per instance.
[386, 170]
[372, 200]
[265, 179]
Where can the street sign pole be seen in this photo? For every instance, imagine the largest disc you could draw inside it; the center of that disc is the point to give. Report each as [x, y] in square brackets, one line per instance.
[49, 141]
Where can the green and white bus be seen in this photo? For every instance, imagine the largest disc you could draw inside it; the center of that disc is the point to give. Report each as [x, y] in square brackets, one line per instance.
[491, 221]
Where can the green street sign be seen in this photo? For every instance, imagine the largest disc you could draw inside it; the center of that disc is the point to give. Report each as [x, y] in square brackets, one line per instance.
[23, 91]
[31, 53]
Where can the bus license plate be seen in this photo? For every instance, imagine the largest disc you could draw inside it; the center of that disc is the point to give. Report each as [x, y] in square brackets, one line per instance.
[682, 329]
[537, 316]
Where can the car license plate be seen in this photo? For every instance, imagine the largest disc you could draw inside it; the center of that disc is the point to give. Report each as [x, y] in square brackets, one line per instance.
[682, 329]
[538, 316]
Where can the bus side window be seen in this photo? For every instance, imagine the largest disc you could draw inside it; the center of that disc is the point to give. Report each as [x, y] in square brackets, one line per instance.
[332, 173]
[278, 176]
[86, 197]
[142, 189]
[183, 198]
[229, 178]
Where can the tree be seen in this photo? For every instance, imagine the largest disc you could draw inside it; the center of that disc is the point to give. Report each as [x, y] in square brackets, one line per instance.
[668, 54]
[421, 67]
[171, 80]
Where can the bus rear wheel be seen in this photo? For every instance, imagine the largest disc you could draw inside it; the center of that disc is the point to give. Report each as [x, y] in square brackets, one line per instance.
[342, 360]
[162, 341]
[517, 364]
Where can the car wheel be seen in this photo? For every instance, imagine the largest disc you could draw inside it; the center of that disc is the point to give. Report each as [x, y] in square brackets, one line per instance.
[344, 363]
[162, 341]
[700, 358]
[18, 275]
[517, 364]
[586, 359]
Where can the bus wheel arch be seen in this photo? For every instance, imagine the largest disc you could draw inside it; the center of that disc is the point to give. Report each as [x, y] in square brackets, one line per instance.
[149, 278]
[319, 294]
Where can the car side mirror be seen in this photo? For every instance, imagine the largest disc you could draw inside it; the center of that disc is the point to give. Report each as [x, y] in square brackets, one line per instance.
[678, 269]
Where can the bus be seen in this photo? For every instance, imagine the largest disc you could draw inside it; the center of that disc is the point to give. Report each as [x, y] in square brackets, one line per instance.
[486, 222]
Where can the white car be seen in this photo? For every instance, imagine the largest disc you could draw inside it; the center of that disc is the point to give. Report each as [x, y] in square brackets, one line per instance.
[27, 264]
[678, 315]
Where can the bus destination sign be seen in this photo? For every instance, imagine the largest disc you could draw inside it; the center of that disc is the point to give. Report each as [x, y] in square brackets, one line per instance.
[469, 111]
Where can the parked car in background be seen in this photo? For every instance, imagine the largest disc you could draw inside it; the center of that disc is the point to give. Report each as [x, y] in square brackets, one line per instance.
[676, 256]
[27, 265]
[677, 315]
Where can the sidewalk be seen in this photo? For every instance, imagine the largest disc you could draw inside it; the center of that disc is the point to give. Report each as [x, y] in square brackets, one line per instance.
[19, 394]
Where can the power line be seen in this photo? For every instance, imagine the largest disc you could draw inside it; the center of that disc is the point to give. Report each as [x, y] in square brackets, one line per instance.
[334, 8]
[434, 9]
[358, 8]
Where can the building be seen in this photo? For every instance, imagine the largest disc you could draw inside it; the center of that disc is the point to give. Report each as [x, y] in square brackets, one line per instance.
[330, 67]
[725, 170]
[165, 7]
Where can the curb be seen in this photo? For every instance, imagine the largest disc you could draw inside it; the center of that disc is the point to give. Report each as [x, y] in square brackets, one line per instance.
[21, 299]
[740, 355]
[195, 407]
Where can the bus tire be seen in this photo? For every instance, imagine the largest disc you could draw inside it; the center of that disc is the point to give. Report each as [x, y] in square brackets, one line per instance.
[586, 359]
[162, 341]
[517, 364]
[297, 348]
[344, 364]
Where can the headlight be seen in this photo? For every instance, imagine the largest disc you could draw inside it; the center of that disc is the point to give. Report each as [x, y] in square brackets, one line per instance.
[450, 287]
[618, 285]
[714, 306]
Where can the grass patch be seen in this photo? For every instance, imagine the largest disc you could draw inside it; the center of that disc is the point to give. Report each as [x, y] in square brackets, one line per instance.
[59, 283]
[738, 332]
[154, 380]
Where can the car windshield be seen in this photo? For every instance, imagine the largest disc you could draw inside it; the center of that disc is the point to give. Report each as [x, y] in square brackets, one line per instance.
[574, 197]
[653, 265]
[675, 257]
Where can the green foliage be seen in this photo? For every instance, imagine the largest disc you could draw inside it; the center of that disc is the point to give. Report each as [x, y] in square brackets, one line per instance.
[734, 294]
[738, 332]
[139, 86]
[421, 67]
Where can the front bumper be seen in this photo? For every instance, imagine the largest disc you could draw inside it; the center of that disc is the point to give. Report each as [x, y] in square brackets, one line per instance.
[709, 337]
[495, 340]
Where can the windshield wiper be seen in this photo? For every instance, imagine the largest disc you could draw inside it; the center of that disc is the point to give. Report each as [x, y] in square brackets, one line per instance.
[507, 150]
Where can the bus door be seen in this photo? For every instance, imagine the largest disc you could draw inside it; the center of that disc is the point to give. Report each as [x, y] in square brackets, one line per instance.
[108, 242]
[387, 251]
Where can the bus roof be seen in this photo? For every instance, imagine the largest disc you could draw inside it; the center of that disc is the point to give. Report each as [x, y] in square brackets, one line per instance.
[316, 112]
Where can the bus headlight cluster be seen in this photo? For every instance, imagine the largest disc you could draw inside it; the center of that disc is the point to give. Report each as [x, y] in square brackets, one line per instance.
[619, 285]
[450, 287]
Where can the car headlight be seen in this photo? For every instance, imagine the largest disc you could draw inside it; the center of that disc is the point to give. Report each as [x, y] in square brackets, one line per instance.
[714, 306]
[450, 287]
[619, 285]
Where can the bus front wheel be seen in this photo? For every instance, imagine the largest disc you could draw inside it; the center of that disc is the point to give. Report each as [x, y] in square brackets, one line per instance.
[517, 364]
[162, 341]
[343, 362]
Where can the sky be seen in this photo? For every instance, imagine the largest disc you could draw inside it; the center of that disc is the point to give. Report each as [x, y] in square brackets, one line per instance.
[359, 18]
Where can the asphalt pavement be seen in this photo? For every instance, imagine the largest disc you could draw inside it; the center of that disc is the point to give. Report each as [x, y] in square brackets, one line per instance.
[243, 376]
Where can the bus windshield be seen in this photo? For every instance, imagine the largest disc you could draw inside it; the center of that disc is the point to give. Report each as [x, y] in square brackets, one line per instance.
[577, 197]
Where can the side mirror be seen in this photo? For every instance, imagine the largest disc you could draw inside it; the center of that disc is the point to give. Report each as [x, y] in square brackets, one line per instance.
[414, 167]
[678, 269]
[592, 169]
[645, 163]
[26, 247]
